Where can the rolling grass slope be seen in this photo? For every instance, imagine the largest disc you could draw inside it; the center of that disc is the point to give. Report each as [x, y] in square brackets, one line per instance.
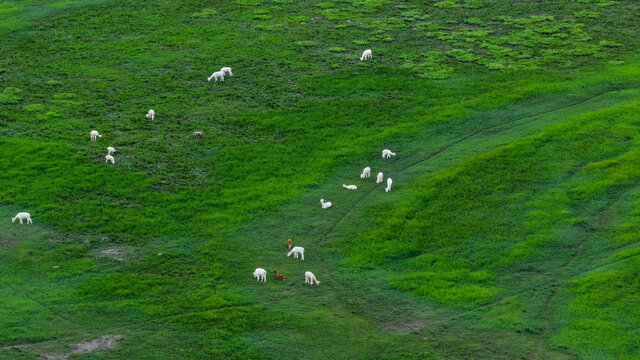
[510, 231]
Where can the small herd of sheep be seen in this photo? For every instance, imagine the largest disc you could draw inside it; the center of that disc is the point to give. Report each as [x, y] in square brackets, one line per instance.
[260, 274]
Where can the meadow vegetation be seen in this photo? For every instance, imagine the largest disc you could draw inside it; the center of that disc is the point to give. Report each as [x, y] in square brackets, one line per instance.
[511, 230]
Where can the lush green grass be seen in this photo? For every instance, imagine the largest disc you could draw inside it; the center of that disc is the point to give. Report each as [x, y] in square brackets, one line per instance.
[511, 231]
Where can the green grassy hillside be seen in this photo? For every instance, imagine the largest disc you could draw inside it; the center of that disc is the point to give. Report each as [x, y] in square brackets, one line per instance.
[511, 231]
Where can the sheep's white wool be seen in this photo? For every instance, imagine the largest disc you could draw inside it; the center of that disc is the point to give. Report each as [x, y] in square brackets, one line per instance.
[109, 159]
[297, 250]
[366, 172]
[197, 133]
[366, 55]
[325, 204]
[386, 153]
[388, 188]
[110, 150]
[24, 216]
[226, 70]
[309, 278]
[260, 274]
[380, 178]
[151, 114]
[350, 187]
[94, 135]
[218, 75]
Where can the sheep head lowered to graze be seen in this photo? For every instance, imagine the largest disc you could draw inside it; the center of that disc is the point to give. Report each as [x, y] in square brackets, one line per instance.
[279, 276]
[110, 150]
[366, 172]
[260, 274]
[350, 187]
[297, 250]
[309, 278]
[386, 153]
[366, 55]
[109, 159]
[197, 134]
[380, 178]
[388, 188]
[94, 135]
[151, 114]
[226, 70]
[218, 75]
[22, 216]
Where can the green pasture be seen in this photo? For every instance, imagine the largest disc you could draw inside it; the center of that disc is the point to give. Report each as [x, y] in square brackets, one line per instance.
[511, 231]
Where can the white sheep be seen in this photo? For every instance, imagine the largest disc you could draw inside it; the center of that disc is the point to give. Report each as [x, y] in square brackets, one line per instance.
[386, 153]
[309, 278]
[151, 114]
[380, 178]
[110, 150]
[218, 75]
[24, 216]
[297, 250]
[366, 55]
[197, 134]
[226, 70]
[94, 135]
[325, 204]
[366, 172]
[350, 187]
[260, 274]
[108, 159]
[388, 188]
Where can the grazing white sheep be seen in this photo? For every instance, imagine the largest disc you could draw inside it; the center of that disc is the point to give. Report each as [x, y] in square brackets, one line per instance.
[94, 135]
[350, 187]
[297, 250]
[218, 75]
[108, 159]
[325, 204]
[366, 55]
[110, 150]
[309, 278]
[386, 153]
[260, 274]
[197, 134]
[226, 70]
[26, 216]
[366, 172]
[380, 178]
[151, 114]
[388, 188]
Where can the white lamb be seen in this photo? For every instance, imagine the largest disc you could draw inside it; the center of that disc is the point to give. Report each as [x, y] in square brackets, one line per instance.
[226, 70]
[22, 216]
[380, 178]
[386, 153]
[218, 75]
[297, 250]
[366, 55]
[110, 150]
[366, 172]
[94, 135]
[151, 114]
[260, 274]
[108, 159]
[350, 187]
[309, 278]
[388, 188]
[325, 204]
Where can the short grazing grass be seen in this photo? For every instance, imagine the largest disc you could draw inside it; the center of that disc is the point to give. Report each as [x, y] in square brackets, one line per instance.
[511, 230]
